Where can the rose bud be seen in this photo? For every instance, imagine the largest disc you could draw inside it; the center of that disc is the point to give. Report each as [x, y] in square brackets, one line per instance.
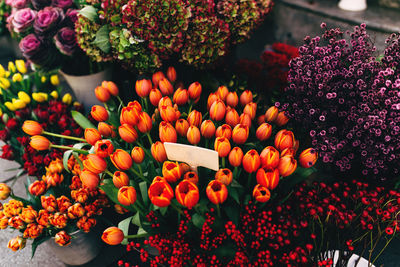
[182, 127]
[181, 97]
[171, 74]
[232, 99]
[187, 194]
[194, 90]
[137, 154]
[53, 179]
[103, 148]
[5, 191]
[260, 120]
[236, 156]
[232, 117]
[92, 136]
[143, 87]
[99, 113]
[76, 211]
[288, 152]
[102, 94]
[16, 243]
[89, 179]
[284, 139]
[106, 130]
[193, 135]
[168, 113]
[224, 131]
[113, 236]
[281, 119]
[264, 131]
[160, 194]
[158, 152]
[157, 77]
[121, 159]
[167, 132]
[207, 129]
[251, 161]
[145, 123]
[37, 188]
[271, 114]
[261, 193]
[222, 92]
[217, 110]
[269, 158]
[165, 101]
[127, 133]
[268, 179]
[245, 119]
[120, 179]
[212, 97]
[246, 97]
[287, 165]
[32, 128]
[222, 146]
[165, 86]
[250, 109]
[171, 171]
[308, 157]
[40, 143]
[62, 239]
[195, 118]
[95, 163]
[33, 230]
[111, 87]
[155, 96]
[129, 115]
[28, 215]
[192, 177]
[240, 134]
[49, 203]
[127, 195]
[224, 176]
[216, 192]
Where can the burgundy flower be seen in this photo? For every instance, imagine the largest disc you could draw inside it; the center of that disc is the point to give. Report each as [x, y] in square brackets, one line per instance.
[32, 48]
[65, 41]
[4, 135]
[8, 152]
[11, 124]
[71, 16]
[22, 19]
[48, 19]
[64, 4]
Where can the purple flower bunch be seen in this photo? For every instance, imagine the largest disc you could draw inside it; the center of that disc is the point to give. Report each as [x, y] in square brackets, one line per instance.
[349, 101]
[45, 29]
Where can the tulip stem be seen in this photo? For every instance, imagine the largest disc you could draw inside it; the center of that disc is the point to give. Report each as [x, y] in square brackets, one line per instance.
[223, 162]
[145, 103]
[190, 108]
[235, 170]
[249, 180]
[65, 136]
[149, 137]
[144, 149]
[177, 208]
[109, 173]
[218, 211]
[136, 236]
[140, 175]
[120, 100]
[70, 148]
[140, 169]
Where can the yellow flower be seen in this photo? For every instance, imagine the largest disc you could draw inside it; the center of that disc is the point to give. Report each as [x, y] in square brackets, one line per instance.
[76, 104]
[7, 74]
[17, 77]
[1, 112]
[18, 103]
[43, 79]
[54, 94]
[54, 80]
[40, 97]
[67, 99]
[11, 67]
[24, 97]
[2, 71]
[21, 67]
[4, 83]
[10, 106]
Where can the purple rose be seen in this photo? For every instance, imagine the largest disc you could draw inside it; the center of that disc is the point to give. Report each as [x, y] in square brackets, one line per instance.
[62, 3]
[72, 16]
[48, 19]
[39, 4]
[18, 4]
[30, 46]
[22, 19]
[38, 52]
[65, 40]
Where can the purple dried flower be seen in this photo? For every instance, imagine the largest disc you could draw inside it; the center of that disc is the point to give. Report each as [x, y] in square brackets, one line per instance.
[22, 19]
[48, 19]
[65, 41]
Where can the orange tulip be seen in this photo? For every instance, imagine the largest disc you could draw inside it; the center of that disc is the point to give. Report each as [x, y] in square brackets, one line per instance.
[245, 119]
[127, 195]
[246, 97]
[250, 109]
[264, 131]
[99, 113]
[16, 243]
[222, 146]
[195, 118]
[182, 127]
[28, 215]
[308, 157]
[251, 161]
[120, 179]
[194, 90]
[63, 204]
[171, 74]
[217, 110]
[224, 176]
[165, 86]
[224, 131]
[129, 115]
[48, 203]
[236, 156]
[55, 166]
[33, 231]
[240, 134]
[158, 152]
[37, 188]
[287, 165]
[168, 113]
[111, 87]
[158, 76]
[5, 191]
[145, 123]
[260, 120]
[160, 193]
[92, 136]
[268, 179]
[105, 129]
[137, 154]
[184, 167]
[59, 220]
[89, 179]
[113, 236]
[192, 177]
[269, 158]
[103, 148]
[271, 114]
[181, 97]
[232, 99]
[281, 119]
[171, 171]
[164, 101]
[261, 193]
[211, 99]
[16, 222]
[76, 211]
[187, 194]
[232, 117]
[62, 238]
[284, 139]
[44, 218]
[207, 129]
[127, 133]
[135, 105]
[216, 192]
[222, 92]
[121, 159]
[143, 87]
[95, 163]
[155, 96]
[32, 128]
[158, 179]
[288, 152]
[167, 132]
[193, 135]
[102, 94]
[39, 142]
[53, 179]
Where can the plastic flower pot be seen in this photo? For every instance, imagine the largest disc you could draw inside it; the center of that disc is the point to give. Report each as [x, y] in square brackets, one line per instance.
[353, 5]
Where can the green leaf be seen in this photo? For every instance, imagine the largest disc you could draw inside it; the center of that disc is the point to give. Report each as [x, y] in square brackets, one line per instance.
[102, 40]
[143, 192]
[66, 156]
[124, 226]
[235, 184]
[76, 156]
[141, 231]
[81, 120]
[234, 194]
[198, 220]
[36, 242]
[136, 220]
[233, 213]
[163, 210]
[112, 193]
[89, 12]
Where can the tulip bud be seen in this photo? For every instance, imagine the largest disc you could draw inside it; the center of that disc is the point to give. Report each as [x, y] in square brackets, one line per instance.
[39, 143]
[308, 157]
[268, 179]
[130, 115]
[216, 192]
[145, 123]
[16, 243]
[192, 177]
[184, 167]
[287, 165]
[171, 74]
[127, 133]
[32, 128]
[250, 109]
[211, 99]
[158, 152]
[181, 97]
[121, 159]
[182, 127]
[18, 103]
[113, 236]
[99, 113]
[245, 119]
[155, 96]
[284, 139]
[39, 97]
[165, 86]
[222, 92]
[95, 163]
[269, 158]
[37, 188]
[143, 87]
[288, 152]
[167, 132]
[193, 135]
[232, 117]
[251, 161]
[165, 101]
[103, 148]
[48, 203]
[281, 119]
[105, 129]
[195, 118]
[157, 77]
[102, 94]
[171, 171]
[53, 179]
[224, 131]
[160, 193]
[217, 110]
[120, 179]
[222, 146]
[224, 176]
[89, 179]
[264, 131]
[24, 97]
[260, 119]
[207, 129]
[187, 194]
[111, 87]
[92, 136]
[21, 66]
[271, 114]
[62, 239]
[261, 194]
[194, 90]
[240, 134]
[5, 191]
[232, 99]
[246, 97]
[137, 154]
[168, 113]
[127, 195]
[236, 156]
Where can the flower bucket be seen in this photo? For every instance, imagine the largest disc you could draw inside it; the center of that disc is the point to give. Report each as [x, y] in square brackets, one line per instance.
[354, 260]
[353, 5]
[83, 86]
[83, 248]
